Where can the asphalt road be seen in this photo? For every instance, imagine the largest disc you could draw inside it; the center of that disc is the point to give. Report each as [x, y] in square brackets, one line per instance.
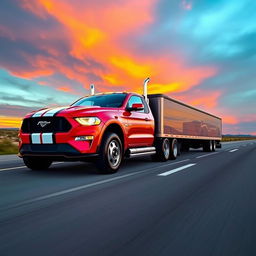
[200, 204]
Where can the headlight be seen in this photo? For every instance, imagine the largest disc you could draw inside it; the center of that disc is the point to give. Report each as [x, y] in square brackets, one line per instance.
[88, 120]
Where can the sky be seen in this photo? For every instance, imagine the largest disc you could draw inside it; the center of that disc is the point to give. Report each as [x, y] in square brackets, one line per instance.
[201, 52]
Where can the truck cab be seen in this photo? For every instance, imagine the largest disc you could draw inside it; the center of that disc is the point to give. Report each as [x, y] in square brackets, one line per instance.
[100, 128]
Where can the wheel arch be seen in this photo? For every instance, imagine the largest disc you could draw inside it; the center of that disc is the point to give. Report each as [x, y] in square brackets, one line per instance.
[116, 128]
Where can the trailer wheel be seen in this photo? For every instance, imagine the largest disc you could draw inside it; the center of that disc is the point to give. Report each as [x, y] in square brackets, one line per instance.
[162, 150]
[174, 149]
[207, 146]
[36, 163]
[213, 145]
[110, 154]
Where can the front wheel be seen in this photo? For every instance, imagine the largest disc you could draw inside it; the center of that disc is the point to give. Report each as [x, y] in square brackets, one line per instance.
[36, 163]
[110, 154]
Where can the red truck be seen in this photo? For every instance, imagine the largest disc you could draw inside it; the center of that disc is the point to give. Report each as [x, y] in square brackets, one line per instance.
[107, 127]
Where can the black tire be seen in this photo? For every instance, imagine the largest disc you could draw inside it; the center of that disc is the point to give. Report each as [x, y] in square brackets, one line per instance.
[110, 154]
[174, 149]
[36, 163]
[207, 146]
[162, 150]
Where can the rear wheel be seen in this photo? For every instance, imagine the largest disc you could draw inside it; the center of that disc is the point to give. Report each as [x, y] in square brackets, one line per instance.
[207, 146]
[213, 145]
[162, 150]
[110, 154]
[36, 163]
[174, 149]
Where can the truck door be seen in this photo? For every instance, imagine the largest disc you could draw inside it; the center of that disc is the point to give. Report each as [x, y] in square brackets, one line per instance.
[140, 124]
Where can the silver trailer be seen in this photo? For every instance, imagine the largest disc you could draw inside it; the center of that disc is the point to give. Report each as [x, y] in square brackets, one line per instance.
[191, 127]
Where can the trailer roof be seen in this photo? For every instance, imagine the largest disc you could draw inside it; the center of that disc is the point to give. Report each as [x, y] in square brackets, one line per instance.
[168, 98]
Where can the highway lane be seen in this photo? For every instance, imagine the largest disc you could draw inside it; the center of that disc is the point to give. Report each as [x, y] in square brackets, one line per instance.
[200, 204]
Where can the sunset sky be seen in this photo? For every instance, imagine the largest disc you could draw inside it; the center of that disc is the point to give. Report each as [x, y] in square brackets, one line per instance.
[202, 52]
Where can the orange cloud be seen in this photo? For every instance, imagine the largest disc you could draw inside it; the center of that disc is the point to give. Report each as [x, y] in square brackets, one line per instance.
[228, 119]
[65, 89]
[10, 122]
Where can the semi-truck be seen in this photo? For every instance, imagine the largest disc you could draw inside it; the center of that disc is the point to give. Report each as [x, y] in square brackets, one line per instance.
[107, 127]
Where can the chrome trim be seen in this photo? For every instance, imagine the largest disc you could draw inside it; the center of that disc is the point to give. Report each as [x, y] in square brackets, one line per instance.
[143, 153]
[164, 135]
[141, 150]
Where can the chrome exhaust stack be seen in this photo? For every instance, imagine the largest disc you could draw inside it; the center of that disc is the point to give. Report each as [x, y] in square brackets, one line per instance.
[92, 89]
[145, 89]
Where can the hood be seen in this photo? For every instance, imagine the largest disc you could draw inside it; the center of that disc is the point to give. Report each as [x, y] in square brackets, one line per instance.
[70, 111]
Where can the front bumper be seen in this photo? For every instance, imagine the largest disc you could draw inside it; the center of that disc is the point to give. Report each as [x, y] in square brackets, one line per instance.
[55, 152]
[62, 143]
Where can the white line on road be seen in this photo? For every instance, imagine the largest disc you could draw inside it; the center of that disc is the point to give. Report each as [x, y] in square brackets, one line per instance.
[210, 154]
[66, 191]
[176, 170]
[233, 150]
[19, 167]
[12, 168]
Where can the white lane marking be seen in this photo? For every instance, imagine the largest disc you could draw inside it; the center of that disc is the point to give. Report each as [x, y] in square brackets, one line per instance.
[233, 150]
[176, 170]
[91, 184]
[66, 191]
[210, 154]
[12, 168]
[23, 166]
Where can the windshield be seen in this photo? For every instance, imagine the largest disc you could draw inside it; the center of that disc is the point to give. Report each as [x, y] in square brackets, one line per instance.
[106, 100]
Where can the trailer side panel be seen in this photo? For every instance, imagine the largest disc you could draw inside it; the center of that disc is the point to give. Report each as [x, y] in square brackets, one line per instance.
[182, 121]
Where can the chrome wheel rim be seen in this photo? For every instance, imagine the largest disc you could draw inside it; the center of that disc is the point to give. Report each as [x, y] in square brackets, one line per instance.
[175, 149]
[166, 147]
[114, 153]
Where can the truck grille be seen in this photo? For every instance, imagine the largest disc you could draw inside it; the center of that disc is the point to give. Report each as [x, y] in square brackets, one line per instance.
[45, 124]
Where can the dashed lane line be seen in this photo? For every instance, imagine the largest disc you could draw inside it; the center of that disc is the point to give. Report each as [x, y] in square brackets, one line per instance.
[176, 170]
[233, 150]
[20, 167]
[82, 187]
[210, 154]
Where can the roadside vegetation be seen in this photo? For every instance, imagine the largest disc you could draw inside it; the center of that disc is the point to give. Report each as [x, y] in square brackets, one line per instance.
[8, 141]
[226, 138]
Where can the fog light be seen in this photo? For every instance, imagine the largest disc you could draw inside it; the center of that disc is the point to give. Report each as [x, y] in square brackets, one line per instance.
[83, 138]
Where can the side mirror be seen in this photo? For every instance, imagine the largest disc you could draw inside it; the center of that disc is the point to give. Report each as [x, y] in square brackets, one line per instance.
[136, 107]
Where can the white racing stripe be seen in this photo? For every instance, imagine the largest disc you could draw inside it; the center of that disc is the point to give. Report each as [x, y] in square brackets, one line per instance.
[176, 170]
[35, 137]
[39, 113]
[233, 150]
[47, 138]
[52, 112]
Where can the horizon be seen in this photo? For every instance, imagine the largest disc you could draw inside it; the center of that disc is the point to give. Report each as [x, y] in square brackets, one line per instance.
[199, 52]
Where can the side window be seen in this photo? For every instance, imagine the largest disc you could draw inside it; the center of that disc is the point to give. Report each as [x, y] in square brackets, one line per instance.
[136, 100]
